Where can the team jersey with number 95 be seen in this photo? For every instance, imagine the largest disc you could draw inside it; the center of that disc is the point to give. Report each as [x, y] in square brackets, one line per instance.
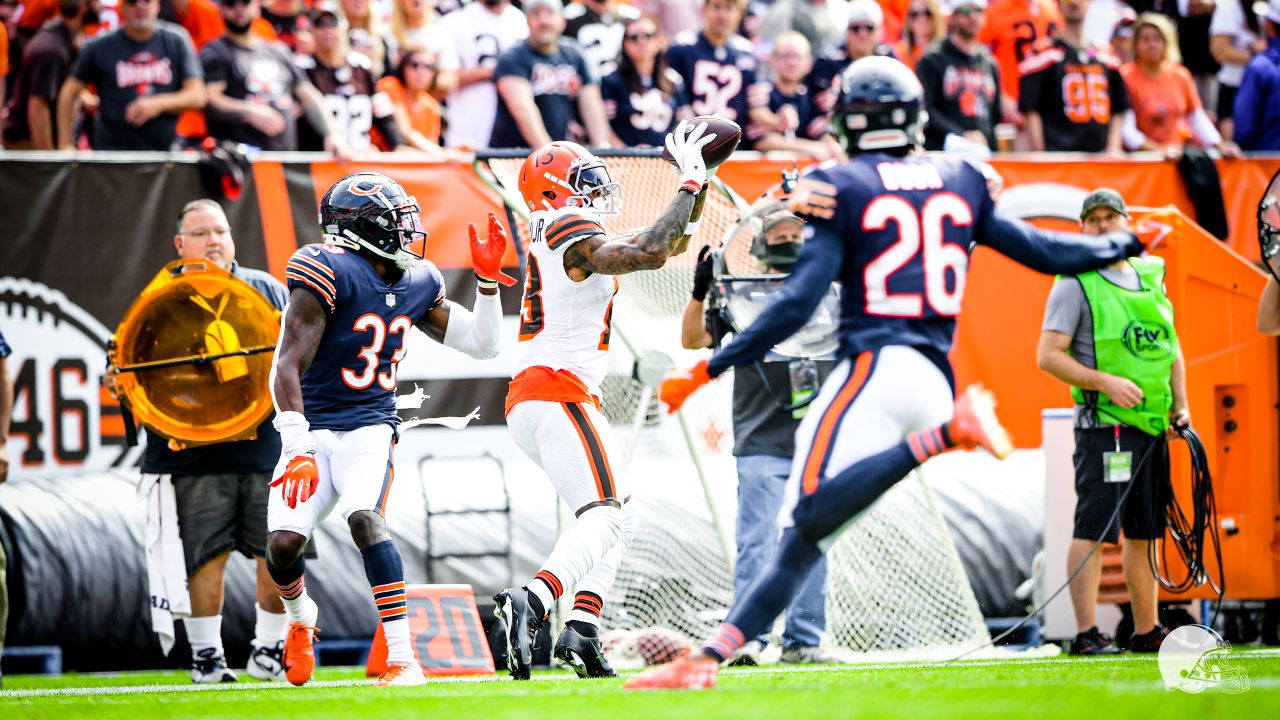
[351, 381]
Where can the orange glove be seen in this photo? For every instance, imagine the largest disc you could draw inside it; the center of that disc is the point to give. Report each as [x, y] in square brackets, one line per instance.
[678, 385]
[300, 479]
[487, 256]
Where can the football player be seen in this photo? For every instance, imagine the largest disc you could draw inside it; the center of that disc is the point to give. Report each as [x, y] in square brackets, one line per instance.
[896, 229]
[352, 302]
[553, 406]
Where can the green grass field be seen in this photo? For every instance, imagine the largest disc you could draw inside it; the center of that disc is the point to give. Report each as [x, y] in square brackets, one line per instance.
[1124, 687]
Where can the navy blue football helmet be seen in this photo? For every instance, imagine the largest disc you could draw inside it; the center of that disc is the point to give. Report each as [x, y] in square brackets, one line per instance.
[880, 106]
[370, 213]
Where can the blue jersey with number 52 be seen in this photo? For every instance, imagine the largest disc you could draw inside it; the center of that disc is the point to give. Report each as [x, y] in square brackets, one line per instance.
[352, 379]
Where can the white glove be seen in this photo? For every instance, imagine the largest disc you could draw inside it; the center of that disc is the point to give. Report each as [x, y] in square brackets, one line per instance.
[685, 145]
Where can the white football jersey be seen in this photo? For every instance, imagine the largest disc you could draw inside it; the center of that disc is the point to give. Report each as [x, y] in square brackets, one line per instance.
[564, 325]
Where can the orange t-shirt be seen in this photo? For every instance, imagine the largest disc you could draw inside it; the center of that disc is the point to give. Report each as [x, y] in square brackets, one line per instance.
[4, 52]
[895, 17]
[424, 115]
[1011, 29]
[1162, 104]
[36, 13]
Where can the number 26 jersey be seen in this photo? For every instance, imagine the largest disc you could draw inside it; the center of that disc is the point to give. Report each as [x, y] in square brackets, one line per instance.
[351, 381]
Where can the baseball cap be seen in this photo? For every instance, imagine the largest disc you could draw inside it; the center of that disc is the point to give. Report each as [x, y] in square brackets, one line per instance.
[1272, 11]
[866, 11]
[950, 6]
[1104, 197]
[778, 218]
[556, 5]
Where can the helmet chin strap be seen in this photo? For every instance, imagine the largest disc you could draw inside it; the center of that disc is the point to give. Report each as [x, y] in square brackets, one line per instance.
[403, 259]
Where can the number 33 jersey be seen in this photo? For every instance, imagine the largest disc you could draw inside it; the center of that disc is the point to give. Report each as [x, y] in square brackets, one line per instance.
[564, 325]
[352, 378]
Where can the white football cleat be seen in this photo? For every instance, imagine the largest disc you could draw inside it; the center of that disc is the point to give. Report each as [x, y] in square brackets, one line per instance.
[266, 662]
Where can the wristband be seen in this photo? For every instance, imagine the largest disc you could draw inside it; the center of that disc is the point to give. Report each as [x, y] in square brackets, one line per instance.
[692, 186]
[691, 227]
[486, 283]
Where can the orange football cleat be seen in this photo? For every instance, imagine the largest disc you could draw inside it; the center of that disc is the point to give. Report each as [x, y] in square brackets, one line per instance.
[398, 675]
[299, 656]
[685, 673]
[975, 424]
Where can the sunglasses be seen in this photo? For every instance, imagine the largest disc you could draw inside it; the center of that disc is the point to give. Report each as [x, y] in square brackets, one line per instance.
[134, 2]
[967, 10]
[326, 22]
[859, 28]
[920, 14]
[233, 3]
[637, 37]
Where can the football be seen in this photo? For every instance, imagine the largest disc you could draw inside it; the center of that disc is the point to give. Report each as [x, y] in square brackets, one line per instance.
[727, 133]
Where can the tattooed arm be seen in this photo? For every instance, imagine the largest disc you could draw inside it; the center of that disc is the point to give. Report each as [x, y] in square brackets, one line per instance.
[644, 249]
[304, 321]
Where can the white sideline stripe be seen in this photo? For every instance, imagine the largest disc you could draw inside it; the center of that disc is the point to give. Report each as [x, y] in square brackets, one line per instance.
[559, 677]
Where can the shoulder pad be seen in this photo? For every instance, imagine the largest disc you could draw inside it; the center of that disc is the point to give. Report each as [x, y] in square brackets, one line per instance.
[737, 42]
[305, 62]
[674, 76]
[995, 182]
[574, 11]
[566, 226]
[627, 12]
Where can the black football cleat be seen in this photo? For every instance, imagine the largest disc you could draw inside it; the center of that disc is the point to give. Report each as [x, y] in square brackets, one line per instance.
[583, 654]
[520, 627]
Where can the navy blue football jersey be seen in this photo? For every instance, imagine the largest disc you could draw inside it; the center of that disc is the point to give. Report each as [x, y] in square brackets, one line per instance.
[715, 78]
[813, 124]
[899, 242]
[640, 119]
[352, 379]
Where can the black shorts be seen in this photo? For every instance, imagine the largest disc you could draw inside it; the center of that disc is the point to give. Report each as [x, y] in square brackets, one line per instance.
[1143, 515]
[1226, 101]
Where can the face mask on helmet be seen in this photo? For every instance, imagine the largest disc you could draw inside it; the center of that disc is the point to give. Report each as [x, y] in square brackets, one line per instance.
[1269, 227]
[593, 189]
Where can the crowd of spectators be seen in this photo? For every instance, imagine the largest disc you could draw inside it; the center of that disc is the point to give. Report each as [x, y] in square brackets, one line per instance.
[1096, 76]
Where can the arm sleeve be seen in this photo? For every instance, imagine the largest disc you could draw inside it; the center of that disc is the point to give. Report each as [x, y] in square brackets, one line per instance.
[821, 259]
[476, 334]
[1052, 252]
[1129, 132]
[1203, 128]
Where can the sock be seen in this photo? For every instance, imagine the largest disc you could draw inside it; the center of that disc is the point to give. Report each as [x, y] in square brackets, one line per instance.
[588, 603]
[924, 444]
[270, 628]
[576, 552]
[204, 633]
[544, 590]
[587, 607]
[385, 569]
[584, 629]
[769, 595]
[298, 606]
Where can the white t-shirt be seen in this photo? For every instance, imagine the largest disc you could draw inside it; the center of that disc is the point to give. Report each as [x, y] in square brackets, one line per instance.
[434, 38]
[1100, 21]
[479, 37]
[1228, 19]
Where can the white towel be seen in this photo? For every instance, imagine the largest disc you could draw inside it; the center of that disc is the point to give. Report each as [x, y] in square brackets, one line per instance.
[166, 564]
